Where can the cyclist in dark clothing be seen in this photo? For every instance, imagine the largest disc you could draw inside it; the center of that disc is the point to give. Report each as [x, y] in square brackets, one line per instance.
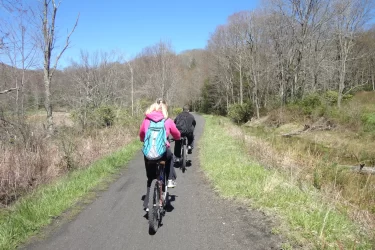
[185, 123]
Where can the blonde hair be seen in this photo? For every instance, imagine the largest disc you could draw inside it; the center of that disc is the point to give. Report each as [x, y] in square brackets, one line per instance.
[158, 107]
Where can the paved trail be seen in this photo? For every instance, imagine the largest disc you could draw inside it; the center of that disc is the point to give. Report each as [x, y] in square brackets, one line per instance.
[198, 218]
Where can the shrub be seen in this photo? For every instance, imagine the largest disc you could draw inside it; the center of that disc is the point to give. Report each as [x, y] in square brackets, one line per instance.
[104, 116]
[240, 113]
[310, 103]
[175, 111]
[126, 120]
[368, 121]
[89, 117]
[331, 97]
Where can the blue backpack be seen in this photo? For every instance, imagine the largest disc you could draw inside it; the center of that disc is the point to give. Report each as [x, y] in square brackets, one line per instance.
[154, 146]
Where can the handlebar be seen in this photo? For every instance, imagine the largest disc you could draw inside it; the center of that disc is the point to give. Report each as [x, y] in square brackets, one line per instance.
[172, 139]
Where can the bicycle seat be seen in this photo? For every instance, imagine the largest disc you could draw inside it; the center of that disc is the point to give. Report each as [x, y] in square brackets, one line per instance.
[155, 162]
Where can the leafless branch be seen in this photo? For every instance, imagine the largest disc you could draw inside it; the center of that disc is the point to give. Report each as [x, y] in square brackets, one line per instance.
[66, 45]
[7, 90]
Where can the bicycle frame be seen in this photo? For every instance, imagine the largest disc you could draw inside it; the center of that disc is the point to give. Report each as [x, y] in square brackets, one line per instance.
[161, 180]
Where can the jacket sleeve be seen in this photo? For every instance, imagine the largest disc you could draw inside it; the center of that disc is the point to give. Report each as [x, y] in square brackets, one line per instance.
[174, 131]
[194, 122]
[142, 131]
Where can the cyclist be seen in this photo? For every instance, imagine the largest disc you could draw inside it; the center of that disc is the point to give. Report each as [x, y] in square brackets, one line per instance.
[185, 123]
[156, 112]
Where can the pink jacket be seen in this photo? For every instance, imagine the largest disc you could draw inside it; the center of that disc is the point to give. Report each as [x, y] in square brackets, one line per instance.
[169, 124]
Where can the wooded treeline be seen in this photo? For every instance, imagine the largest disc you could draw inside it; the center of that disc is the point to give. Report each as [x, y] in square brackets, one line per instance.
[30, 79]
[274, 55]
[288, 49]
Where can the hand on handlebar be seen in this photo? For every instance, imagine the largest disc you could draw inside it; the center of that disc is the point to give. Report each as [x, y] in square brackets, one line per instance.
[172, 139]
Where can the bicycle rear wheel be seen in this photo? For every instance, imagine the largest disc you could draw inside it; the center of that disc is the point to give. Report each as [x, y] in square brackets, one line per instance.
[154, 207]
[184, 155]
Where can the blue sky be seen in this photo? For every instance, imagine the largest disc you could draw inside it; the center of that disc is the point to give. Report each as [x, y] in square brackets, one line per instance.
[130, 26]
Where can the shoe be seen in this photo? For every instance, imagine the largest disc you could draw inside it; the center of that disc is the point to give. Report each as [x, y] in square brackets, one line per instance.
[146, 209]
[177, 160]
[171, 184]
[190, 149]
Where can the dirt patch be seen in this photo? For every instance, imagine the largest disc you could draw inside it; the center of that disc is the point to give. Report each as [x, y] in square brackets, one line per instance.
[59, 118]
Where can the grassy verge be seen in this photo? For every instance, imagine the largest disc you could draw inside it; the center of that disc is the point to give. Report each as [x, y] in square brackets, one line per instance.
[310, 221]
[37, 210]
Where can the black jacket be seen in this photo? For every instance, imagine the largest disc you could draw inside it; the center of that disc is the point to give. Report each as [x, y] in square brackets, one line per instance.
[189, 121]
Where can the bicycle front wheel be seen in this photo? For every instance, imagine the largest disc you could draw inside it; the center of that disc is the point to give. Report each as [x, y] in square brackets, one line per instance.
[154, 207]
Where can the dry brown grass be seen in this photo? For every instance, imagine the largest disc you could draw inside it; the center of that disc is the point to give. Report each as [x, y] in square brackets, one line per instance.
[24, 167]
[266, 154]
[101, 143]
[25, 164]
[305, 161]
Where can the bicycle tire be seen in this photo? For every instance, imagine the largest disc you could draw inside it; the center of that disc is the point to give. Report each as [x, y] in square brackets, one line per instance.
[184, 155]
[154, 211]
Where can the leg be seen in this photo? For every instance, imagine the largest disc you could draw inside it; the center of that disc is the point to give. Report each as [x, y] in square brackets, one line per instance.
[177, 148]
[191, 139]
[151, 174]
[170, 170]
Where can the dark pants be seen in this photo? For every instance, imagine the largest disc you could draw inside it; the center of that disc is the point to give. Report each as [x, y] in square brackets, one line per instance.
[169, 170]
[177, 144]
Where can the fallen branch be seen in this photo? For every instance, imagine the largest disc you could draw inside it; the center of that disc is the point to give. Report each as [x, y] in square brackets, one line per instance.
[308, 128]
[7, 90]
[363, 170]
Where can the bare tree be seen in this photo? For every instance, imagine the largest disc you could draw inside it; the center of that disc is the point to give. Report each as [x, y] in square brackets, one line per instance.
[222, 72]
[129, 63]
[159, 71]
[21, 52]
[98, 80]
[350, 16]
[50, 9]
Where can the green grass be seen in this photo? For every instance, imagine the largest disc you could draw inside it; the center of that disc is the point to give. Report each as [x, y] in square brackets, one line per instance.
[309, 220]
[33, 212]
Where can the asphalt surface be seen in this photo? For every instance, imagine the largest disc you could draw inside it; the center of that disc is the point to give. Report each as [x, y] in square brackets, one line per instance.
[197, 218]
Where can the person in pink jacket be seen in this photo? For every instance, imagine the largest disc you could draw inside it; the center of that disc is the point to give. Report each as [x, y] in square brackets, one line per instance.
[157, 112]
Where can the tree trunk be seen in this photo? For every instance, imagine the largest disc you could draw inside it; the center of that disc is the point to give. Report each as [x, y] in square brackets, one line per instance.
[341, 83]
[132, 86]
[47, 102]
[241, 83]
[48, 35]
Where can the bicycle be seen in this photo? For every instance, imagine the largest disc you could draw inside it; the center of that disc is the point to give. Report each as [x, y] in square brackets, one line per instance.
[184, 152]
[157, 198]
